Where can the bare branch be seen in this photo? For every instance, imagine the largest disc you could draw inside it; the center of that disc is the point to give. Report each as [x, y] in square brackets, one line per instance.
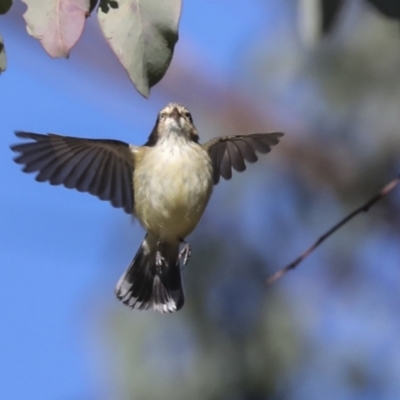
[364, 208]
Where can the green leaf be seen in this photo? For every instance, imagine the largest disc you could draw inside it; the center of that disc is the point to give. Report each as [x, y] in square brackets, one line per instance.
[142, 34]
[3, 60]
[5, 5]
[58, 24]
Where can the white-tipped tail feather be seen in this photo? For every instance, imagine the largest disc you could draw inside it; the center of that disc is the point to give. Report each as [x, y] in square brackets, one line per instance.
[147, 285]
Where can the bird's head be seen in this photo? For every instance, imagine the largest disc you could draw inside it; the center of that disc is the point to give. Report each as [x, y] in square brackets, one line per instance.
[175, 119]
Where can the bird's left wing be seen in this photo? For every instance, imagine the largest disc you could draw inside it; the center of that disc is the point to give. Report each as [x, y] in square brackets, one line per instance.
[103, 168]
[232, 151]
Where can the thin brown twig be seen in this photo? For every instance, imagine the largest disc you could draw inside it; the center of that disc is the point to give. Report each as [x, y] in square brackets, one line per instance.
[364, 208]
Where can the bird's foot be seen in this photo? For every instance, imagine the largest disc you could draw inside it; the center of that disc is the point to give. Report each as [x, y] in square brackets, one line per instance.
[185, 254]
[160, 260]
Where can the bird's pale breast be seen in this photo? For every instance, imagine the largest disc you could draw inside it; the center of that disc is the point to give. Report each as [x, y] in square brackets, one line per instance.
[172, 183]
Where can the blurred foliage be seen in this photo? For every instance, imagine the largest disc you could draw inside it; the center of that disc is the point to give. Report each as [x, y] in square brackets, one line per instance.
[318, 19]
[389, 8]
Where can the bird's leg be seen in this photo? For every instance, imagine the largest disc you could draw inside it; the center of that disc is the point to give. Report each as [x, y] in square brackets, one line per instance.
[160, 260]
[185, 253]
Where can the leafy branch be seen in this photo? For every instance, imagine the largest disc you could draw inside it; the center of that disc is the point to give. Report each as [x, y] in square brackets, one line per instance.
[142, 33]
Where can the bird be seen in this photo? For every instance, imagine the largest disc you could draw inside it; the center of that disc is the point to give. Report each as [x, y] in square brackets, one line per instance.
[165, 184]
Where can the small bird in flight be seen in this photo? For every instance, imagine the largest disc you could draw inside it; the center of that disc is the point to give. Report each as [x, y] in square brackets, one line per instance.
[165, 184]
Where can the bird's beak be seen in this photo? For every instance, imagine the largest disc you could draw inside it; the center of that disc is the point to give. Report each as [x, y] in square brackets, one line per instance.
[175, 114]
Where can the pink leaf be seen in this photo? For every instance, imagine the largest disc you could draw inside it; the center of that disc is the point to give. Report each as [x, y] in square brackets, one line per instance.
[58, 24]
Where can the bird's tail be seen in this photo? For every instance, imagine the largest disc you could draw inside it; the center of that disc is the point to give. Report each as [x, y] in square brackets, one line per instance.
[153, 279]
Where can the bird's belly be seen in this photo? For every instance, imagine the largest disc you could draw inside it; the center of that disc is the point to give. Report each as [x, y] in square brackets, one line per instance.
[172, 191]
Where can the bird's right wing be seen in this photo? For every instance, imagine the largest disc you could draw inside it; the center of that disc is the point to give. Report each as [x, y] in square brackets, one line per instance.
[103, 168]
[232, 151]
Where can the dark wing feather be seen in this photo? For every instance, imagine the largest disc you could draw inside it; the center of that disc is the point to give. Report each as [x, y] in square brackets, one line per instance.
[103, 168]
[236, 156]
[225, 163]
[232, 151]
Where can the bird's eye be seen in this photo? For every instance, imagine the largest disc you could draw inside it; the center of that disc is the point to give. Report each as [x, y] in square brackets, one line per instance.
[188, 116]
[163, 115]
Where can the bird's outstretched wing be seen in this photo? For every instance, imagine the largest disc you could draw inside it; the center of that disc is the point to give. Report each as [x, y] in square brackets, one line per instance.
[103, 168]
[232, 151]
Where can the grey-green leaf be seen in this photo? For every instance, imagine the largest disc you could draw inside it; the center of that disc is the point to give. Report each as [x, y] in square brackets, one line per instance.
[142, 34]
[3, 60]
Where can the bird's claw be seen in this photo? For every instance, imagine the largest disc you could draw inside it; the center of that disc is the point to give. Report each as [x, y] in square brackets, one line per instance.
[185, 253]
[160, 260]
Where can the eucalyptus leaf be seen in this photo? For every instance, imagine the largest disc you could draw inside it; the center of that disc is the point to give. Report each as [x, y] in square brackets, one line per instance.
[5, 5]
[3, 60]
[58, 24]
[142, 34]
